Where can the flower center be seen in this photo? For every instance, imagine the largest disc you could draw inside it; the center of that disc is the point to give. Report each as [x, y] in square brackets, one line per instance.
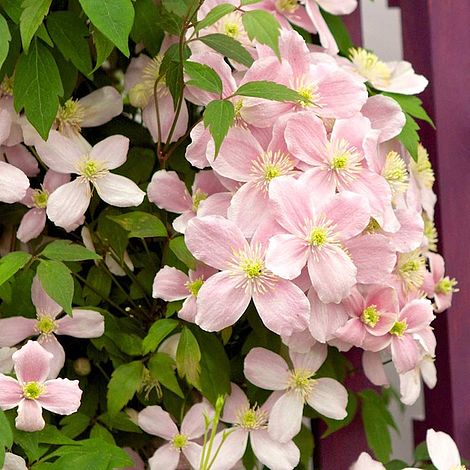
[91, 169]
[231, 25]
[252, 418]
[40, 197]
[287, 6]
[179, 441]
[231, 29]
[301, 381]
[252, 267]
[33, 390]
[430, 232]
[318, 236]
[373, 226]
[370, 67]
[6, 86]
[270, 165]
[45, 325]
[194, 286]
[395, 172]
[422, 168]
[345, 160]
[70, 115]
[140, 94]
[399, 328]
[411, 268]
[370, 316]
[446, 286]
[308, 91]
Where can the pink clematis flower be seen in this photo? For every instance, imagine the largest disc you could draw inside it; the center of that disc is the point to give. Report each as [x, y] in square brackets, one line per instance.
[410, 382]
[33, 222]
[209, 196]
[437, 286]
[250, 423]
[82, 324]
[411, 329]
[171, 284]
[19, 156]
[316, 225]
[67, 204]
[296, 386]
[339, 162]
[223, 298]
[154, 420]
[13, 183]
[32, 392]
[372, 315]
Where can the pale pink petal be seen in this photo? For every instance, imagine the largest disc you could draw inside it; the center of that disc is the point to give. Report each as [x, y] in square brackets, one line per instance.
[333, 274]
[418, 314]
[374, 257]
[67, 204]
[193, 424]
[16, 329]
[43, 303]
[181, 222]
[156, 421]
[306, 138]
[11, 392]
[236, 401]
[329, 398]
[138, 463]
[286, 255]
[410, 235]
[285, 419]
[410, 386]
[188, 311]
[208, 182]
[165, 457]
[111, 152]
[13, 183]
[118, 191]
[32, 363]
[5, 125]
[294, 50]
[14, 462]
[60, 153]
[192, 452]
[273, 454]
[404, 80]
[168, 192]
[325, 319]
[437, 265]
[374, 368]
[22, 158]
[62, 396]
[29, 417]
[365, 462]
[32, 224]
[52, 345]
[82, 324]
[214, 240]
[232, 449]
[405, 353]
[216, 204]
[284, 309]
[197, 149]
[442, 450]
[221, 301]
[134, 71]
[100, 106]
[326, 38]
[353, 332]
[426, 339]
[338, 7]
[310, 361]
[428, 371]
[385, 115]
[170, 284]
[266, 369]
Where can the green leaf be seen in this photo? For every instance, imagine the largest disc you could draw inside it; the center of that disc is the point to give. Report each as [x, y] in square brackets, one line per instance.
[103, 47]
[214, 15]
[179, 248]
[68, 73]
[161, 367]
[396, 465]
[101, 283]
[146, 28]
[114, 18]
[229, 47]
[339, 31]
[37, 87]
[263, 27]
[65, 250]
[218, 117]
[178, 7]
[69, 34]
[268, 90]
[141, 224]
[57, 281]
[215, 367]
[248, 2]
[305, 441]
[409, 136]
[169, 22]
[188, 357]
[157, 333]
[5, 38]
[13, 9]
[411, 105]
[421, 452]
[203, 77]
[6, 436]
[31, 18]
[376, 419]
[44, 35]
[125, 381]
[11, 263]
[74, 425]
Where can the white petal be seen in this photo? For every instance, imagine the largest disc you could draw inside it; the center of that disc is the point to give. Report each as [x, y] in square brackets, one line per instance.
[285, 419]
[273, 454]
[119, 191]
[101, 106]
[442, 450]
[329, 398]
[13, 183]
[111, 151]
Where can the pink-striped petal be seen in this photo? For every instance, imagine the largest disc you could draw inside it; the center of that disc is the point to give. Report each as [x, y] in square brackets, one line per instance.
[16, 329]
[111, 152]
[11, 392]
[82, 324]
[170, 284]
[156, 421]
[168, 192]
[29, 417]
[62, 396]
[32, 363]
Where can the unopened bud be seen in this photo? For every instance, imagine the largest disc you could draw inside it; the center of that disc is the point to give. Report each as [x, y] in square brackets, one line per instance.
[82, 366]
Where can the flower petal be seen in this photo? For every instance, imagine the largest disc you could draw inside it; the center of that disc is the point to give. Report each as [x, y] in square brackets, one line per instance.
[118, 191]
[32, 363]
[111, 152]
[52, 345]
[82, 324]
[32, 224]
[286, 255]
[16, 329]
[273, 454]
[29, 417]
[193, 424]
[62, 396]
[156, 421]
[266, 369]
[310, 361]
[170, 284]
[236, 401]
[168, 192]
[442, 450]
[285, 419]
[165, 457]
[13, 183]
[329, 398]
[101, 106]
[11, 393]
[43, 303]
